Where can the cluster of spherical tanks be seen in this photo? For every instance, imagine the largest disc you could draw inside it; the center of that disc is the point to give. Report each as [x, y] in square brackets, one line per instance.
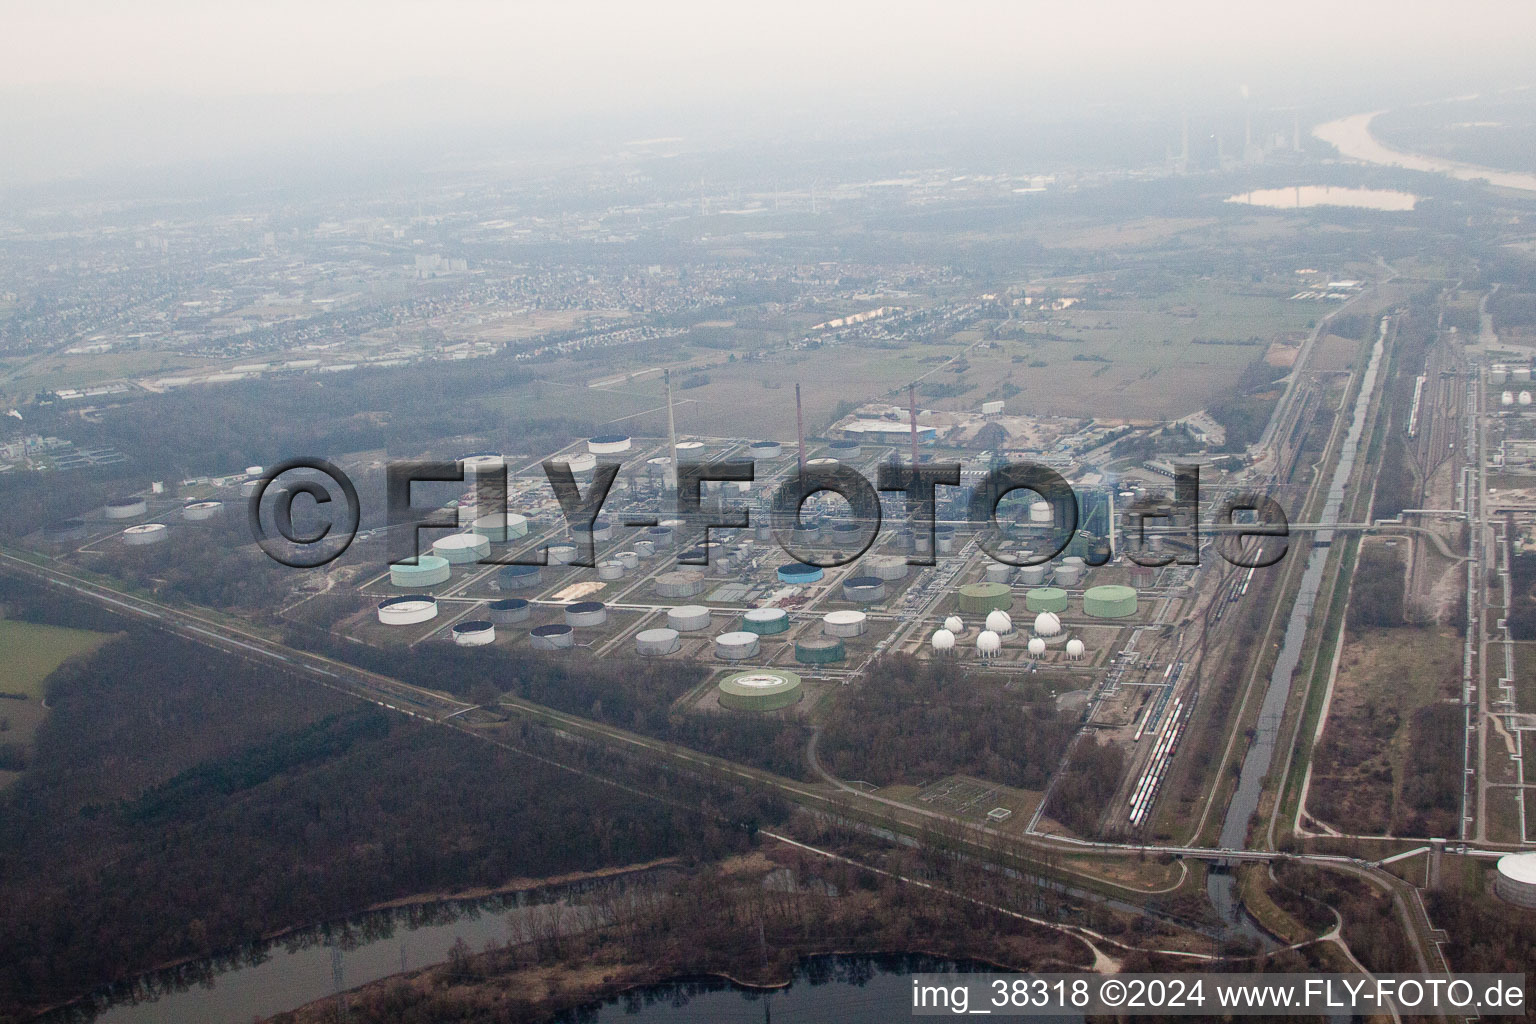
[999, 624]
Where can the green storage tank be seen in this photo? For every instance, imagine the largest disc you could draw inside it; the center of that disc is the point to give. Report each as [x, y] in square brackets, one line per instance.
[1046, 599]
[819, 650]
[429, 571]
[760, 689]
[1109, 602]
[980, 598]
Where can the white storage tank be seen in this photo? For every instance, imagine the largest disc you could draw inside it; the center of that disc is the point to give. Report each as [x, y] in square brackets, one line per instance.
[943, 641]
[845, 623]
[126, 508]
[1032, 575]
[609, 444]
[1040, 512]
[999, 622]
[997, 572]
[654, 643]
[462, 548]
[1515, 879]
[554, 637]
[508, 610]
[562, 554]
[738, 646]
[201, 511]
[1047, 624]
[628, 559]
[407, 610]
[955, 625]
[1075, 649]
[586, 613]
[1036, 647]
[688, 618]
[1069, 575]
[613, 569]
[145, 534]
[887, 567]
[988, 644]
[474, 633]
[679, 583]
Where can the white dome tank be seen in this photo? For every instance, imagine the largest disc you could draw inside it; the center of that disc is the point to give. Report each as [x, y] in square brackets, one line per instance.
[954, 625]
[999, 622]
[1047, 624]
[1075, 649]
[988, 644]
[1507, 398]
[943, 640]
[1525, 398]
[1036, 647]
[1040, 512]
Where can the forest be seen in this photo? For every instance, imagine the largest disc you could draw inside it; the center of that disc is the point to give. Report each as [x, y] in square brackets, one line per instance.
[208, 801]
[915, 722]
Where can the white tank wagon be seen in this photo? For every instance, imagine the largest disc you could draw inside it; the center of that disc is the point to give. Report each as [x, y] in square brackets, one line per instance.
[586, 613]
[688, 618]
[407, 609]
[474, 633]
[145, 534]
[554, 637]
[844, 623]
[462, 548]
[656, 643]
[201, 511]
[736, 646]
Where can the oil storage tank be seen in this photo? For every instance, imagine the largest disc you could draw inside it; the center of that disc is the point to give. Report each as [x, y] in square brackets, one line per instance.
[980, 598]
[518, 577]
[201, 511]
[819, 650]
[864, 589]
[126, 508]
[655, 643]
[586, 613]
[509, 610]
[759, 690]
[679, 583]
[1515, 879]
[844, 623]
[474, 633]
[1046, 599]
[799, 572]
[765, 621]
[429, 571]
[462, 548]
[688, 618]
[1109, 602]
[407, 609]
[554, 637]
[737, 646]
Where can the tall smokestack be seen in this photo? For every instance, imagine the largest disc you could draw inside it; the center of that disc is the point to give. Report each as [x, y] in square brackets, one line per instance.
[912, 405]
[800, 427]
[671, 473]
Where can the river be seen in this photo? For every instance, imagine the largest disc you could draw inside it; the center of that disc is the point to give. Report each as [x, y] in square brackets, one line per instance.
[1353, 139]
[273, 977]
[1261, 753]
[845, 989]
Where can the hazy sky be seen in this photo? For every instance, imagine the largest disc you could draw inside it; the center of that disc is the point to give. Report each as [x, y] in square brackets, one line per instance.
[92, 78]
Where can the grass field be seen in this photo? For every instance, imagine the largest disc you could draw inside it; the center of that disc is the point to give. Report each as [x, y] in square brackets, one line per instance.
[31, 653]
